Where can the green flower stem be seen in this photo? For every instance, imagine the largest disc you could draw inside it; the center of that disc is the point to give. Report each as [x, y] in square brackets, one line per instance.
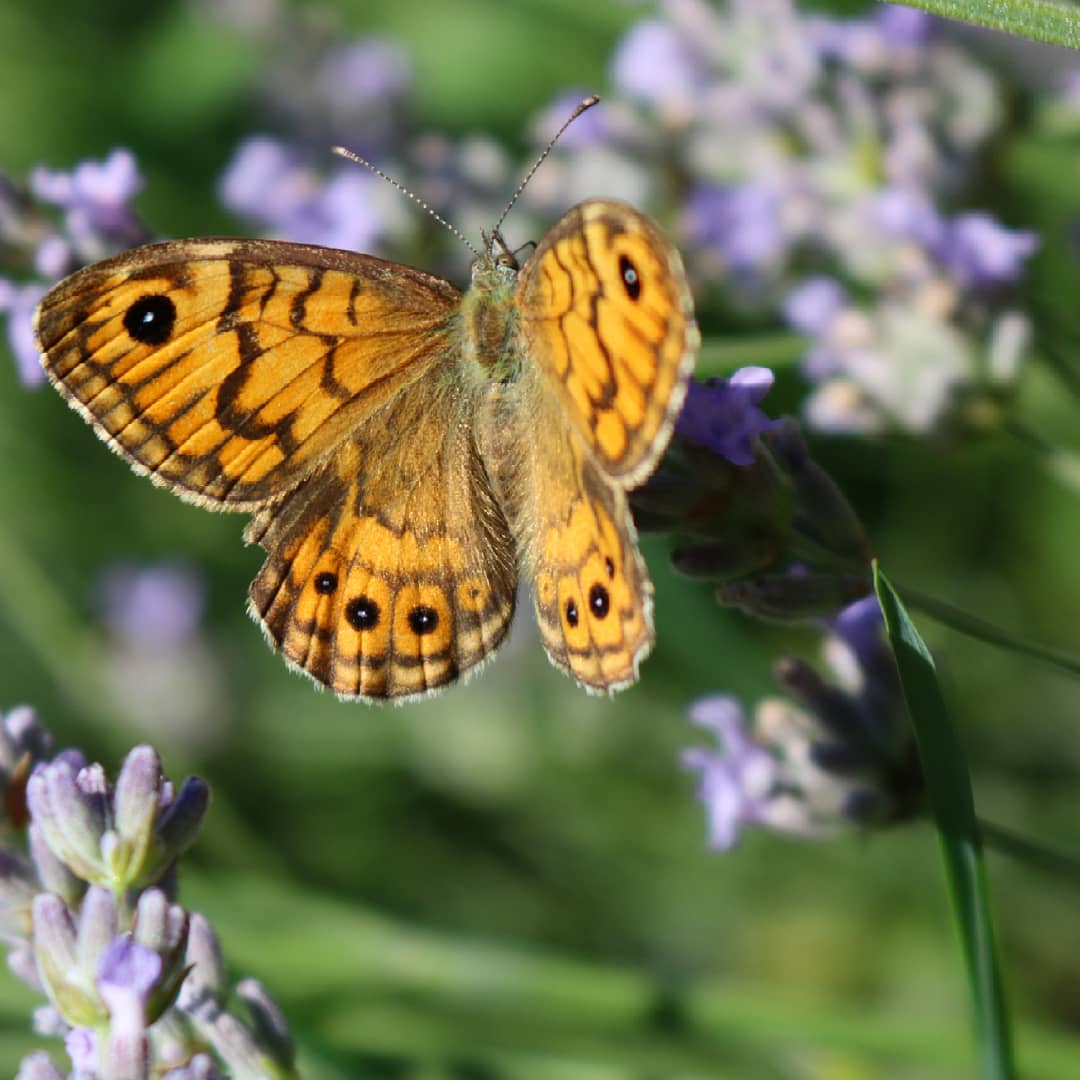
[1006, 842]
[1040, 20]
[976, 628]
[723, 356]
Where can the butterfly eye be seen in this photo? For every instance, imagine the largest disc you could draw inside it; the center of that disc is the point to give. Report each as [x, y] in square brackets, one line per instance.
[630, 278]
[150, 320]
[507, 260]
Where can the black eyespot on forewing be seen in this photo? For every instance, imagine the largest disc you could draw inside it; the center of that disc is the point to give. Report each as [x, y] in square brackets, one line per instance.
[423, 619]
[325, 583]
[150, 320]
[630, 277]
[362, 613]
[599, 601]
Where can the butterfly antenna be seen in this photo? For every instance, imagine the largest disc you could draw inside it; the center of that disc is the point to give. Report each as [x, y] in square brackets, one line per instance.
[588, 103]
[342, 152]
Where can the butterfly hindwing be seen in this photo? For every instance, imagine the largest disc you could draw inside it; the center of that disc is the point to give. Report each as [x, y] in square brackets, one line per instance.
[227, 369]
[391, 570]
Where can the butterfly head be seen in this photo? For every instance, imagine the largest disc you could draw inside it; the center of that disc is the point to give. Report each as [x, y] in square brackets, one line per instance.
[497, 266]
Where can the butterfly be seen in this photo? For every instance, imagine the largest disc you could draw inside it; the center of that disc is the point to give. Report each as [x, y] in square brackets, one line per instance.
[405, 449]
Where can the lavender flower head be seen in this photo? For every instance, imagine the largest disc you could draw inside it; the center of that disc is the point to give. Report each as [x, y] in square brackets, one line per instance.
[840, 756]
[96, 220]
[723, 414]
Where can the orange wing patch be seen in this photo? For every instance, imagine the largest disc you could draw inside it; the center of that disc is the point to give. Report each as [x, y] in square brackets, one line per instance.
[227, 369]
[607, 314]
[390, 571]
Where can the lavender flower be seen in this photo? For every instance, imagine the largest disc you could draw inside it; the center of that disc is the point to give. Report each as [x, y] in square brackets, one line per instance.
[95, 198]
[843, 757]
[97, 221]
[980, 252]
[723, 414]
[113, 960]
[825, 145]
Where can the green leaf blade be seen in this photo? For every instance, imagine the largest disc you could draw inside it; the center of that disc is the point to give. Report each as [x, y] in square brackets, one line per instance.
[948, 787]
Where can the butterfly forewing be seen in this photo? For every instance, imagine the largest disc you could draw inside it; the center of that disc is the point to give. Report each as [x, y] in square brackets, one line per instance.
[227, 369]
[607, 315]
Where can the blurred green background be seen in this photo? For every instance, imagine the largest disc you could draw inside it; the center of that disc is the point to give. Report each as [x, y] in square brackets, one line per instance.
[511, 879]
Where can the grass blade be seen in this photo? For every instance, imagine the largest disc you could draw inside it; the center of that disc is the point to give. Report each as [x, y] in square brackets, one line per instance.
[949, 792]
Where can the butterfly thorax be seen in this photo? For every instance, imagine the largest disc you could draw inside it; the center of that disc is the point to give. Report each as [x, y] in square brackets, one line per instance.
[489, 314]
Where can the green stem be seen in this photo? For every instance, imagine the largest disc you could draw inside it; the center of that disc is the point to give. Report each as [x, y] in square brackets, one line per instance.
[976, 628]
[1041, 20]
[1006, 842]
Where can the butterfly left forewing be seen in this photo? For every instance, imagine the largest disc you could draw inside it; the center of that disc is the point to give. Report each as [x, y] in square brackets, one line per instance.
[227, 369]
[390, 571]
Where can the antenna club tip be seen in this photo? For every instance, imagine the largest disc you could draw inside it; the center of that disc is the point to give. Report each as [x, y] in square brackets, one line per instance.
[589, 102]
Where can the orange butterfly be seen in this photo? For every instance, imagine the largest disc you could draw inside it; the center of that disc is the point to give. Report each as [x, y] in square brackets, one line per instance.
[402, 447]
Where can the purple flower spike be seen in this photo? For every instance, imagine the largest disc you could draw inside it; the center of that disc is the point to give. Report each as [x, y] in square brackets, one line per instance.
[722, 414]
[18, 303]
[813, 304]
[734, 784]
[979, 251]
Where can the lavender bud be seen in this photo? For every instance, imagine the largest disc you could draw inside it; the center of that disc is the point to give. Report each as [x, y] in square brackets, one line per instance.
[268, 1021]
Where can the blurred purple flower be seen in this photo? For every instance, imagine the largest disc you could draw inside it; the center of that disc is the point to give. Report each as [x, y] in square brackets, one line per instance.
[813, 304]
[735, 783]
[907, 213]
[81, 1046]
[266, 182]
[157, 606]
[981, 252]
[364, 72]
[657, 65]
[99, 190]
[18, 303]
[722, 414]
[95, 197]
[904, 25]
[741, 223]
